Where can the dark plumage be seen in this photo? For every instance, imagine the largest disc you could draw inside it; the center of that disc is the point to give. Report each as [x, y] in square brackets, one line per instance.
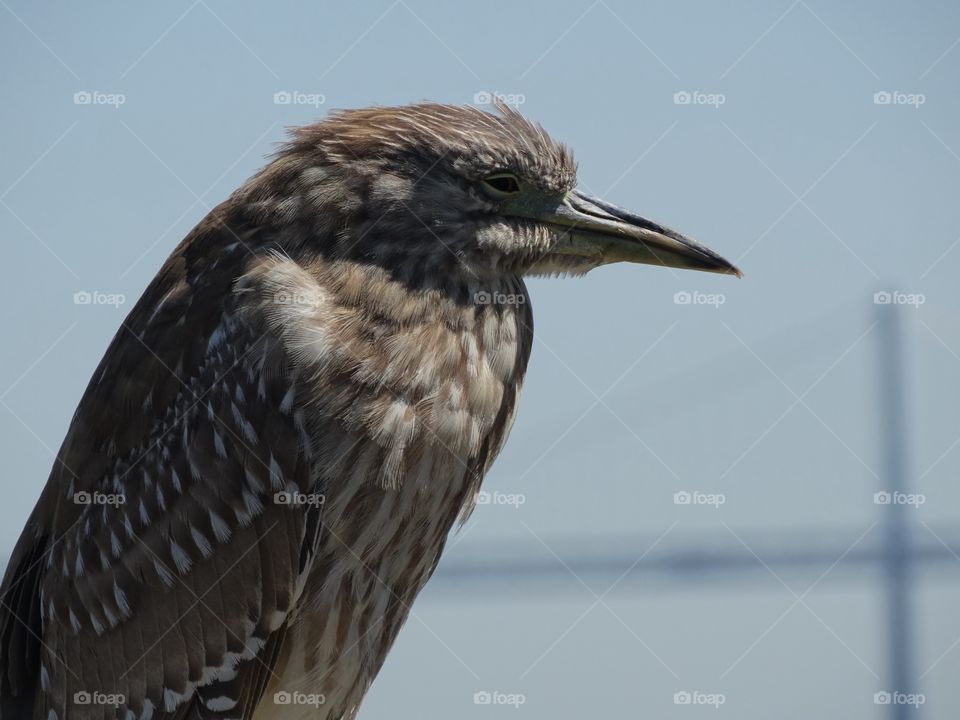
[263, 470]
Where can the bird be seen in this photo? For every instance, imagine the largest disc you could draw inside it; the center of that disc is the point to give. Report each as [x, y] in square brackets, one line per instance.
[264, 468]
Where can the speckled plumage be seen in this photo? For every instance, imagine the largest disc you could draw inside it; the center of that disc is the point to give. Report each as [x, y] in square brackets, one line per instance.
[272, 354]
[262, 473]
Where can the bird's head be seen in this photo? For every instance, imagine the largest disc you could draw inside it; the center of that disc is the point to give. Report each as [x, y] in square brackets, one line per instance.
[454, 189]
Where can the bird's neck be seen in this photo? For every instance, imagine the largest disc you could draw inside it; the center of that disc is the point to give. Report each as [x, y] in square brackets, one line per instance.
[447, 353]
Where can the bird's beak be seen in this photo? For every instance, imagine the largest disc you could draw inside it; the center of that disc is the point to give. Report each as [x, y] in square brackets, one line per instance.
[596, 229]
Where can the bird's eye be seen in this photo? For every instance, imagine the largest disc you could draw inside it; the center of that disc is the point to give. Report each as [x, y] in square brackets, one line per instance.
[502, 184]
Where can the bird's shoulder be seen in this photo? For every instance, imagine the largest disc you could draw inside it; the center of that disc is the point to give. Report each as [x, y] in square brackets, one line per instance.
[158, 541]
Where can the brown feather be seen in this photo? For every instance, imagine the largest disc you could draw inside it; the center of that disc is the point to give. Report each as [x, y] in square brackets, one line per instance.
[295, 413]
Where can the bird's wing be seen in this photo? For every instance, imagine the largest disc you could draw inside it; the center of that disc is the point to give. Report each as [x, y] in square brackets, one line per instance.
[159, 565]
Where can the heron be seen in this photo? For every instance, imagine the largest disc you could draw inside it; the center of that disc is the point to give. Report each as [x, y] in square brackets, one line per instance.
[264, 468]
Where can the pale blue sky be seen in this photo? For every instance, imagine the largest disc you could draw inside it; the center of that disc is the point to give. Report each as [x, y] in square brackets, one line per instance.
[822, 193]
